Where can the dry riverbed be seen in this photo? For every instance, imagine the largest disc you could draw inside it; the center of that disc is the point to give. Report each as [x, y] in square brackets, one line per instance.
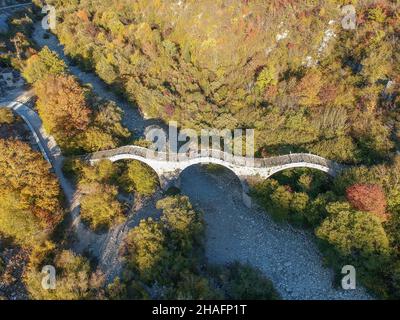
[289, 257]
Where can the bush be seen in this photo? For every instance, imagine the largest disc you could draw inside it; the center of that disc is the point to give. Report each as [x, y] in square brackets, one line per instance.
[72, 167]
[194, 287]
[103, 171]
[285, 204]
[74, 279]
[100, 209]
[140, 178]
[117, 290]
[6, 116]
[274, 198]
[367, 197]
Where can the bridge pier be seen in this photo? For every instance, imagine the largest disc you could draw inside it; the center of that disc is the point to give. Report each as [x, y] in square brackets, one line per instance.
[172, 179]
[245, 192]
[169, 179]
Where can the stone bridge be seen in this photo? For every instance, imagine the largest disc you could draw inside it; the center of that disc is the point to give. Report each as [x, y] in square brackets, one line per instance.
[168, 166]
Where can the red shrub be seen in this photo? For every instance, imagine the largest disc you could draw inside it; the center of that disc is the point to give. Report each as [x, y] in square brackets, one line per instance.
[367, 197]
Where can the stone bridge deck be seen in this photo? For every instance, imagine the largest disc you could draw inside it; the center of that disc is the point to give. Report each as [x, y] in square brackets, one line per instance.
[168, 166]
[127, 151]
[164, 163]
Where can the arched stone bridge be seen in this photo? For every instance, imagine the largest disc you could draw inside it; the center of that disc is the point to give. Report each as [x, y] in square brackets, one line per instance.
[169, 166]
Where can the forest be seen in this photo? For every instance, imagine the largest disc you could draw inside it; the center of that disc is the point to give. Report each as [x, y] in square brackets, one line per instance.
[219, 64]
[286, 68]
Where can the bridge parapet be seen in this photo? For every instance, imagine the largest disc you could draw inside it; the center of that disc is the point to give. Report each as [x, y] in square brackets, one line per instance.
[214, 154]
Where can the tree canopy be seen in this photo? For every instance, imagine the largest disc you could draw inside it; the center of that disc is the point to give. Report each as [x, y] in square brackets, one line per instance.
[30, 195]
[45, 63]
[303, 82]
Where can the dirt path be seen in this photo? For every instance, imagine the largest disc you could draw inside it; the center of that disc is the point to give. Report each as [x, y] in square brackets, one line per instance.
[105, 246]
[132, 119]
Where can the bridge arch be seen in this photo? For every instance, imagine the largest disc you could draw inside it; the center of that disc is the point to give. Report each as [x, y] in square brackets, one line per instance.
[169, 170]
[169, 174]
[226, 169]
[327, 170]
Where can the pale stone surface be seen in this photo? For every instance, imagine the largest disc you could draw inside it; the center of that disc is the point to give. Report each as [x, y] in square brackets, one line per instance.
[168, 171]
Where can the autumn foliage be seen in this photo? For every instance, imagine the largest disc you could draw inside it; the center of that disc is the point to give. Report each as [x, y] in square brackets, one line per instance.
[367, 197]
[62, 105]
[30, 206]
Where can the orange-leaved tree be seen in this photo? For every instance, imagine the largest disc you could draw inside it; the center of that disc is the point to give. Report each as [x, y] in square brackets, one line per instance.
[367, 197]
[62, 105]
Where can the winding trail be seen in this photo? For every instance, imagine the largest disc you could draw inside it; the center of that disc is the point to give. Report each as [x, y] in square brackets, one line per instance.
[286, 255]
[132, 119]
[103, 246]
[47, 144]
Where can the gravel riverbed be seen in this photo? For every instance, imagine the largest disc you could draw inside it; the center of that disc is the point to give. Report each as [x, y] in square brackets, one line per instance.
[289, 257]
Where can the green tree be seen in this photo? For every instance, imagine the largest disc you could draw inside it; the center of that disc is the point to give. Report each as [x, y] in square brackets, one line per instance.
[29, 194]
[106, 131]
[244, 282]
[266, 77]
[6, 116]
[140, 178]
[145, 249]
[299, 207]
[316, 210]
[184, 224]
[353, 233]
[45, 63]
[100, 208]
